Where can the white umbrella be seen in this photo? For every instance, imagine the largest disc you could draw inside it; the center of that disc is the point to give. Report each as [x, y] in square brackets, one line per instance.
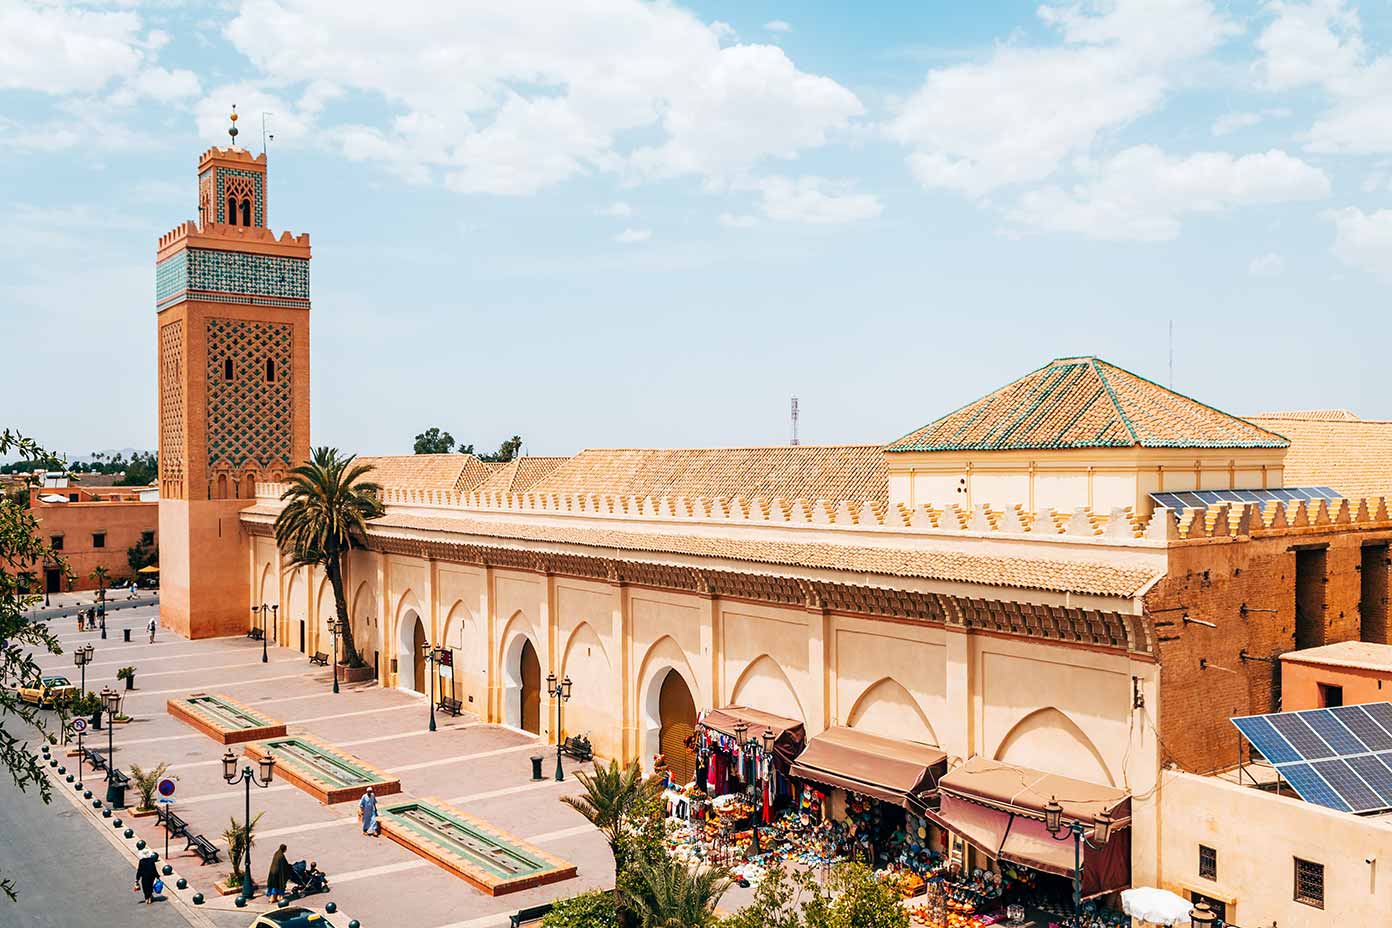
[1157, 906]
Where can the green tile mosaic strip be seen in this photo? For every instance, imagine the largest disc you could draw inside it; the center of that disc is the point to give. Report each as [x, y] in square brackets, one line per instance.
[257, 209]
[232, 277]
[171, 278]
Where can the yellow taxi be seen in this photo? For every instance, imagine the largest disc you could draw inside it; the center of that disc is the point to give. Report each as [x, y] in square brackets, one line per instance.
[46, 691]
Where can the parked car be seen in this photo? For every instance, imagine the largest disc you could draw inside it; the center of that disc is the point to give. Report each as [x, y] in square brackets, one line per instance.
[292, 916]
[48, 690]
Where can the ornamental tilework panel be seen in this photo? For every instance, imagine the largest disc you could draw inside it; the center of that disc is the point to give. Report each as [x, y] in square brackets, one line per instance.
[249, 418]
[237, 272]
[171, 277]
[171, 426]
[258, 218]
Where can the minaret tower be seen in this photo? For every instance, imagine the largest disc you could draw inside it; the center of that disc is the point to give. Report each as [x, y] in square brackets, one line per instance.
[233, 333]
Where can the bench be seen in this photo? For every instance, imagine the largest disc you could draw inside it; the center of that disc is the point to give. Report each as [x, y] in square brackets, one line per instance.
[177, 827]
[203, 848]
[450, 704]
[117, 778]
[96, 760]
[320, 658]
[528, 916]
[254, 634]
[578, 747]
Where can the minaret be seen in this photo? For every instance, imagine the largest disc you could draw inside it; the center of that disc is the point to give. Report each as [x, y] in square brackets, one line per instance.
[233, 332]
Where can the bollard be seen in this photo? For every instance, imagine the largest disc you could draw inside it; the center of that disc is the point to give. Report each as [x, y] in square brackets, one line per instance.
[125, 633]
[536, 766]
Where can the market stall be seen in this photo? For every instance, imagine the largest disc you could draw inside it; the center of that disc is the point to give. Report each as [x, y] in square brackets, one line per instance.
[1022, 867]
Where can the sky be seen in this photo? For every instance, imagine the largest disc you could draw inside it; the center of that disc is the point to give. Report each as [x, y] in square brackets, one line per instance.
[604, 223]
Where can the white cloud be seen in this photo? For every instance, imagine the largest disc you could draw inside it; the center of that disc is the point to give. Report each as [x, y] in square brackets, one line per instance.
[619, 210]
[1363, 240]
[499, 105]
[778, 25]
[1229, 123]
[1143, 194]
[633, 236]
[1267, 265]
[1017, 116]
[58, 48]
[815, 200]
[158, 84]
[738, 220]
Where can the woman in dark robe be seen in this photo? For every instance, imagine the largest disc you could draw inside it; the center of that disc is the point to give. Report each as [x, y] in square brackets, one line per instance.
[277, 876]
[145, 876]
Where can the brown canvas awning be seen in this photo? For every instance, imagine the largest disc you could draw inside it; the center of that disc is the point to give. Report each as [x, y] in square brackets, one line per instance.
[789, 736]
[1022, 789]
[885, 768]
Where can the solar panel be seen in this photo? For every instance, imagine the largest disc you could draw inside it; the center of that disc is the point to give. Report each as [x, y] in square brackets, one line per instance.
[1301, 736]
[1349, 785]
[1312, 787]
[1375, 773]
[1381, 713]
[1328, 727]
[1202, 499]
[1266, 739]
[1359, 722]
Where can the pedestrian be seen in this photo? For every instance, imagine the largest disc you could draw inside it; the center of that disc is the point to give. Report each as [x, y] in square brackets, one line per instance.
[103, 624]
[145, 876]
[367, 811]
[150, 627]
[277, 876]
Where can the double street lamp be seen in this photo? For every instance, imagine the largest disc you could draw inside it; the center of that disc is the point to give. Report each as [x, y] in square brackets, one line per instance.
[82, 657]
[763, 745]
[262, 778]
[558, 690]
[1101, 834]
[433, 658]
[263, 609]
[111, 702]
[333, 635]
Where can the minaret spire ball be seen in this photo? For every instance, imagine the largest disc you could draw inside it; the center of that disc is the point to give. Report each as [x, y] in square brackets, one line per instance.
[233, 130]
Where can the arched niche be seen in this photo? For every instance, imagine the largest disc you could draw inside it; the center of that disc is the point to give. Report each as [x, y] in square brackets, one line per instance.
[1049, 740]
[763, 685]
[887, 708]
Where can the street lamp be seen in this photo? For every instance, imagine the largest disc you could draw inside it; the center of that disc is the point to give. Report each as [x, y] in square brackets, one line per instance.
[262, 778]
[432, 659]
[1202, 916]
[111, 702]
[82, 657]
[263, 608]
[558, 690]
[1101, 834]
[333, 635]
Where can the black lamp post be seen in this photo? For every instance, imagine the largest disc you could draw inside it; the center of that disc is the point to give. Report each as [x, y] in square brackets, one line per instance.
[1101, 834]
[432, 658]
[558, 690]
[1202, 916]
[333, 636]
[261, 778]
[111, 702]
[82, 657]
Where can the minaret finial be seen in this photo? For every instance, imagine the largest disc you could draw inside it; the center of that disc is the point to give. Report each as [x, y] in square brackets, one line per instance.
[233, 130]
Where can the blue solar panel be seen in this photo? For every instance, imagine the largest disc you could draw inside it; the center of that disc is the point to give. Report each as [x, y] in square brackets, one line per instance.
[1333, 732]
[1359, 722]
[1375, 773]
[1267, 740]
[1349, 785]
[1301, 736]
[1381, 713]
[1202, 499]
[1312, 787]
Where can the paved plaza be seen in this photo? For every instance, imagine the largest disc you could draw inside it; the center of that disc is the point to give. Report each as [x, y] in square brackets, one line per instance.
[485, 769]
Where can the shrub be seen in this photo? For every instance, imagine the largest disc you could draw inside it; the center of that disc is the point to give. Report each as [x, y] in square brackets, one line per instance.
[146, 781]
[588, 910]
[125, 673]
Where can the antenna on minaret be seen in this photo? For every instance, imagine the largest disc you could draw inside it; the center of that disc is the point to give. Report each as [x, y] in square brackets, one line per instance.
[264, 137]
[233, 130]
[795, 421]
[1171, 354]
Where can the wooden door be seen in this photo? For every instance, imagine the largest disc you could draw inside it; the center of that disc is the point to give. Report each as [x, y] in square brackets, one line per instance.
[531, 689]
[677, 711]
[418, 657]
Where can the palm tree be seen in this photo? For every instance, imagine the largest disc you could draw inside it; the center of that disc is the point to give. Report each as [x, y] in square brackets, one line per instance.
[328, 504]
[613, 796]
[669, 895]
[101, 575]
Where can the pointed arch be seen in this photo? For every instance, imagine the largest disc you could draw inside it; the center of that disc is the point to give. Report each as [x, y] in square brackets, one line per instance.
[886, 707]
[518, 645]
[764, 685]
[327, 611]
[1047, 739]
[663, 656]
[266, 588]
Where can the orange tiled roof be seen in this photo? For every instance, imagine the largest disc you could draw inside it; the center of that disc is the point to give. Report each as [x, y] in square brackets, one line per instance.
[426, 471]
[990, 570]
[1085, 403]
[833, 472]
[1339, 415]
[1354, 456]
[518, 475]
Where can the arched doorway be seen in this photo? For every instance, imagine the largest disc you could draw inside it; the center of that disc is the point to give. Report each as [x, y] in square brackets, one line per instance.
[677, 716]
[410, 660]
[418, 657]
[530, 673]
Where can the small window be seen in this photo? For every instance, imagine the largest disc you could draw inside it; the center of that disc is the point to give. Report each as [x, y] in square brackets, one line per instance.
[147, 538]
[1208, 863]
[56, 542]
[1330, 695]
[73, 497]
[227, 369]
[99, 539]
[232, 211]
[1309, 883]
[246, 212]
[270, 370]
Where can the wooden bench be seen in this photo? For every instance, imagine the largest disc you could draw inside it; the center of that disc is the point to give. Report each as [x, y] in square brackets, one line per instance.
[117, 778]
[254, 634]
[450, 705]
[578, 747]
[177, 827]
[530, 915]
[203, 848]
[320, 658]
[96, 760]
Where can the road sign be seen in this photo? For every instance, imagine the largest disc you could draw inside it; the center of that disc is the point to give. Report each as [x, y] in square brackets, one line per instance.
[166, 787]
[79, 725]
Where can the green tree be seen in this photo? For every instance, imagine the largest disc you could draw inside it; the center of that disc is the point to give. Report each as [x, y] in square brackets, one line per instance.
[668, 894]
[142, 470]
[506, 451]
[238, 836]
[587, 910]
[102, 576]
[851, 898]
[328, 505]
[777, 902]
[434, 441]
[616, 800]
[21, 543]
[141, 555]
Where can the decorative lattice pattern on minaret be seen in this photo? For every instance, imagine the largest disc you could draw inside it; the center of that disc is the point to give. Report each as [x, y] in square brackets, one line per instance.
[171, 443]
[249, 415]
[229, 179]
[206, 213]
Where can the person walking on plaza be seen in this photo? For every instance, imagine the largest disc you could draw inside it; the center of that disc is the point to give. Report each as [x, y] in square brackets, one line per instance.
[150, 627]
[367, 810]
[145, 876]
[277, 876]
[102, 624]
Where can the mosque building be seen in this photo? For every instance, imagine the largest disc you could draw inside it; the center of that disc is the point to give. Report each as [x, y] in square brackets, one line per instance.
[1082, 575]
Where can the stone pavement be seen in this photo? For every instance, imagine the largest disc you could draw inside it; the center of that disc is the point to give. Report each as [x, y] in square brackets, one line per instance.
[482, 768]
